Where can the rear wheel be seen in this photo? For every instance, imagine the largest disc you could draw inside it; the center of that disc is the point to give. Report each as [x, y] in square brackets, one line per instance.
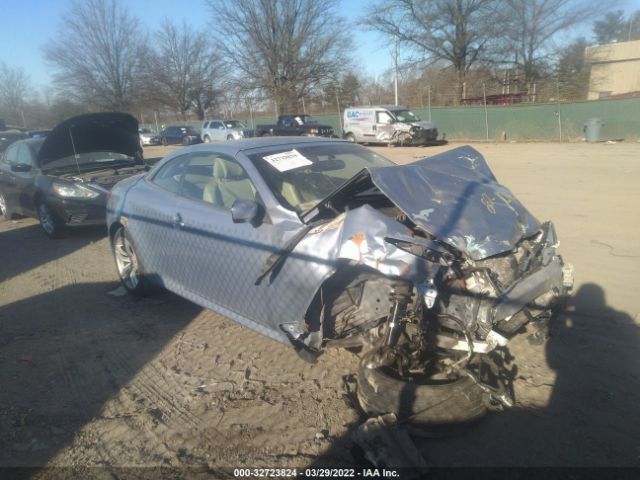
[440, 402]
[128, 265]
[350, 138]
[50, 222]
[229, 137]
[207, 139]
[164, 141]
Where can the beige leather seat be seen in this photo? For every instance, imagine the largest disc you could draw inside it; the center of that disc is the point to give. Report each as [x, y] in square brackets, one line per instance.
[230, 182]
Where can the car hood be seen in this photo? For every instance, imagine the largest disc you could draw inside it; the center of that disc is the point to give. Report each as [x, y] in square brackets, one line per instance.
[93, 132]
[426, 124]
[455, 197]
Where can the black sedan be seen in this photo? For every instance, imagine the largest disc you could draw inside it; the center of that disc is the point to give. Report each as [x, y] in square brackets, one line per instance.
[65, 178]
[181, 134]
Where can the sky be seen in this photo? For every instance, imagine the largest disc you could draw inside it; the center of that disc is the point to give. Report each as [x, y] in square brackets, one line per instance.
[27, 25]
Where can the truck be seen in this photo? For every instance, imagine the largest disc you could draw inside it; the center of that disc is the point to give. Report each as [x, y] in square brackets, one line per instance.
[391, 124]
[295, 125]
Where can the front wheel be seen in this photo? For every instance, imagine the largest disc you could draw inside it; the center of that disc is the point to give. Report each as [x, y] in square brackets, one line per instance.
[350, 138]
[441, 402]
[164, 141]
[207, 139]
[4, 208]
[50, 222]
[128, 265]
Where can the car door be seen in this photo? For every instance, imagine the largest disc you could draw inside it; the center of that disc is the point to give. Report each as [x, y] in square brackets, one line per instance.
[217, 129]
[221, 259]
[149, 213]
[384, 126]
[24, 187]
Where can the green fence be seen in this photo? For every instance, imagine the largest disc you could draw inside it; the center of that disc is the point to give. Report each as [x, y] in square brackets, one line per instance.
[521, 122]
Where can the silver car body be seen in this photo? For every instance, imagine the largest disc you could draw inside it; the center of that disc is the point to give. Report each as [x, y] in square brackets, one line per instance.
[222, 130]
[197, 251]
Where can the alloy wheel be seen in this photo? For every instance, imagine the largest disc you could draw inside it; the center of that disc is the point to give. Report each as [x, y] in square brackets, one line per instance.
[3, 205]
[46, 218]
[126, 261]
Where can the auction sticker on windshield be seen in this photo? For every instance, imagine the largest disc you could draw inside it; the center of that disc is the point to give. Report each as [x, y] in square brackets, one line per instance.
[288, 160]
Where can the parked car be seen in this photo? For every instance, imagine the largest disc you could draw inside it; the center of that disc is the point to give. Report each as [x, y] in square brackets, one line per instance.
[295, 125]
[387, 124]
[64, 179]
[7, 137]
[427, 268]
[180, 134]
[221, 130]
[147, 137]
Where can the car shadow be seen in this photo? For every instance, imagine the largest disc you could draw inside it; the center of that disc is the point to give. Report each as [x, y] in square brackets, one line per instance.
[577, 398]
[60, 362]
[25, 246]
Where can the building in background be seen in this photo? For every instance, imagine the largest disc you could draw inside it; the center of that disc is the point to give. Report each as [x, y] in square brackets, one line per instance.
[615, 70]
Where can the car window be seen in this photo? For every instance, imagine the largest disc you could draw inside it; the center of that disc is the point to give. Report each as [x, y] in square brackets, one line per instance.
[218, 125]
[169, 176]
[383, 117]
[11, 155]
[24, 155]
[217, 179]
[205, 125]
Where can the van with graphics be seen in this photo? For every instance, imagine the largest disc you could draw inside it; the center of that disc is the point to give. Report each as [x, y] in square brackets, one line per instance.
[392, 124]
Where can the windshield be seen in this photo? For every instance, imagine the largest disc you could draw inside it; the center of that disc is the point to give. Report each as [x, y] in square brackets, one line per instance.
[406, 116]
[8, 138]
[303, 176]
[189, 130]
[144, 130]
[90, 161]
[234, 124]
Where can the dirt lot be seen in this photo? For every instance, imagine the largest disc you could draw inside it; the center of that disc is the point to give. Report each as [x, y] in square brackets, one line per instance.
[92, 379]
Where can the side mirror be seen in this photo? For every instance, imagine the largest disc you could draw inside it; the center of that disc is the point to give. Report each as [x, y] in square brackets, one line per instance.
[20, 167]
[243, 211]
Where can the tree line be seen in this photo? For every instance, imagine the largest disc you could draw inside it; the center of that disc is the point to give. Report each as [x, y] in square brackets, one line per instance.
[286, 52]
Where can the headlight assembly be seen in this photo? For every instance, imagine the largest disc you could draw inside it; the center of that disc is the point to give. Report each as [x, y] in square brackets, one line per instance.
[69, 190]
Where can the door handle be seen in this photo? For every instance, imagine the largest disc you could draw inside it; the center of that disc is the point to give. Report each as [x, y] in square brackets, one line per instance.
[177, 221]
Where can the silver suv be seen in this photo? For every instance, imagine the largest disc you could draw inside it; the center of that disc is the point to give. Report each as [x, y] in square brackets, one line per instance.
[221, 130]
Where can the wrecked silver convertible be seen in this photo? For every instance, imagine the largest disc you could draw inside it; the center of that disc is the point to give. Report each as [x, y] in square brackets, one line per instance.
[425, 269]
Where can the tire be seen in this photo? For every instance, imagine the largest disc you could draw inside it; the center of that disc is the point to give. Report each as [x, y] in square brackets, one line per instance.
[229, 137]
[206, 139]
[4, 208]
[455, 402]
[185, 142]
[52, 225]
[350, 138]
[164, 141]
[128, 266]
[404, 139]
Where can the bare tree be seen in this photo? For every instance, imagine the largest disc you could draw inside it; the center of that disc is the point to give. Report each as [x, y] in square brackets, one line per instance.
[284, 48]
[456, 32]
[610, 28]
[14, 85]
[97, 54]
[182, 70]
[533, 24]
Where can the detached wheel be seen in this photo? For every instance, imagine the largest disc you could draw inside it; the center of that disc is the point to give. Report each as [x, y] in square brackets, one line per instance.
[51, 223]
[128, 265]
[424, 404]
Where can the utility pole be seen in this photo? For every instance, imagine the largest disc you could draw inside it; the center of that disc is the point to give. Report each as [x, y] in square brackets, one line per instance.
[395, 64]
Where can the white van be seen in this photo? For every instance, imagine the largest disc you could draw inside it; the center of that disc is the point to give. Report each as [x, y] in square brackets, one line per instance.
[387, 124]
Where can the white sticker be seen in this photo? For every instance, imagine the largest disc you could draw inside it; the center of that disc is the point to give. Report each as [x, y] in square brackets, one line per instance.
[288, 160]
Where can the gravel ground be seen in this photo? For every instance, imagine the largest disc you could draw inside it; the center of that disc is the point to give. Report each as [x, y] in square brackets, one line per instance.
[92, 379]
